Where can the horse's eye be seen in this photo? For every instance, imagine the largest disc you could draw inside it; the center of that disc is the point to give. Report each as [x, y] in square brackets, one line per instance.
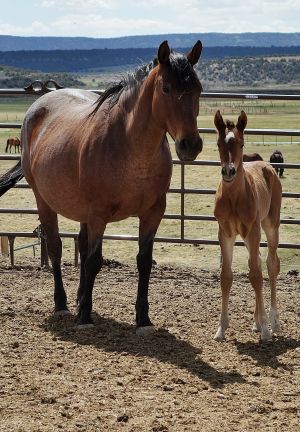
[166, 89]
[242, 145]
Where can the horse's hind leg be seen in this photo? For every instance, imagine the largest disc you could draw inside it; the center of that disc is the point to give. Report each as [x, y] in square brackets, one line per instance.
[255, 275]
[273, 265]
[49, 223]
[83, 251]
[91, 263]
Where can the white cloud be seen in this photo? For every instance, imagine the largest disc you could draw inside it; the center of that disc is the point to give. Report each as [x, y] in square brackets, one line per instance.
[112, 18]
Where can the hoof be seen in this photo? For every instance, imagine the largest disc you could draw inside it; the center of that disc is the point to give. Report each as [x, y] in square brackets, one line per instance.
[266, 336]
[276, 331]
[145, 330]
[256, 328]
[62, 312]
[220, 335]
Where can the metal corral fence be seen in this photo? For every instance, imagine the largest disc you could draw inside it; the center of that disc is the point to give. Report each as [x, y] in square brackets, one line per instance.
[38, 88]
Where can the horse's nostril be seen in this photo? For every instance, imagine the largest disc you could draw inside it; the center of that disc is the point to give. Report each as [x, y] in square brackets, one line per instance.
[223, 171]
[232, 171]
[184, 144]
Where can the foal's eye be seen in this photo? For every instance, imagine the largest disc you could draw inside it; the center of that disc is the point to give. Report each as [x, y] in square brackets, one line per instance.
[166, 89]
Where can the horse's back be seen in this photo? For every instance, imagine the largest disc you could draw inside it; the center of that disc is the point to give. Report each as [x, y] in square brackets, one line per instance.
[52, 135]
[262, 177]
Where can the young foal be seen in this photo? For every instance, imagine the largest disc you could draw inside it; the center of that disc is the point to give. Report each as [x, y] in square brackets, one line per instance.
[248, 197]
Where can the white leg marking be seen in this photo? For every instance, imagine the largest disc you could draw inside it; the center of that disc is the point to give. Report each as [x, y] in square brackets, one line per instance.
[274, 319]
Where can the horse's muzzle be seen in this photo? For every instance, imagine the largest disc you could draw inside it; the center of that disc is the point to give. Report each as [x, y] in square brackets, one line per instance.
[228, 173]
[188, 149]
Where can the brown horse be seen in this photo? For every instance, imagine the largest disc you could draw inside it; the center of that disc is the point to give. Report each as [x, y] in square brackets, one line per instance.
[13, 142]
[248, 197]
[103, 159]
[252, 157]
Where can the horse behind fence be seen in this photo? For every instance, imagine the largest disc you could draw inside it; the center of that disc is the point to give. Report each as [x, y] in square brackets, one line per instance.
[13, 142]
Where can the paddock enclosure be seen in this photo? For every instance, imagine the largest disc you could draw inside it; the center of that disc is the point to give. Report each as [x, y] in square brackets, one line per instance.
[54, 377]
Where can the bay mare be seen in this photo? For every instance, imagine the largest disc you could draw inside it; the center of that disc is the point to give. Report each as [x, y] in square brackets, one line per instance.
[248, 197]
[102, 159]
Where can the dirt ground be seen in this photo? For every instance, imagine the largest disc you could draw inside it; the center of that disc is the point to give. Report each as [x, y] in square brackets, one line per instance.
[55, 377]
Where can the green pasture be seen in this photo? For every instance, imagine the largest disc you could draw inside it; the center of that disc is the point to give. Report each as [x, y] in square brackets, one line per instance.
[261, 114]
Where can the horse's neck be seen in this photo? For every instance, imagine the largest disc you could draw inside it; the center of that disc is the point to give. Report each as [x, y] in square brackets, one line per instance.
[233, 191]
[142, 131]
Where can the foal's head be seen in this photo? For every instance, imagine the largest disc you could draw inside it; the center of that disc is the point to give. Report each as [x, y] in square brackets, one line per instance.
[230, 143]
[175, 103]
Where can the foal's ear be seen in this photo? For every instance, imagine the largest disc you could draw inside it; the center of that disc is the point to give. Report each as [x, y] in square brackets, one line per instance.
[219, 122]
[195, 53]
[242, 122]
[164, 51]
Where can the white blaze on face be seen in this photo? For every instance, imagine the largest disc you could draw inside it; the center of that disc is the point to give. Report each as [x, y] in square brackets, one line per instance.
[229, 136]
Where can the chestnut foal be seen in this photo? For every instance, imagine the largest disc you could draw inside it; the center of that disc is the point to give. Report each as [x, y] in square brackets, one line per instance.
[248, 197]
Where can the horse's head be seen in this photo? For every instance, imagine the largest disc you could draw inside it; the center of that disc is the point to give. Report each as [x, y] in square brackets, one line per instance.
[230, 143]
[176, 99]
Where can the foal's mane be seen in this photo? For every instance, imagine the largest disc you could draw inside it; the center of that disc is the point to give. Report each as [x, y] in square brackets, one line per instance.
[183, 73]
[230, 125]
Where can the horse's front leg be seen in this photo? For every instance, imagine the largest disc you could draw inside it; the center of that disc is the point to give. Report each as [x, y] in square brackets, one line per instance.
[148, 226]
[226, 244]
[91, 265]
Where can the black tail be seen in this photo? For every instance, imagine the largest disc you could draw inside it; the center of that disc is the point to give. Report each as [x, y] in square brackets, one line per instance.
[9, 179]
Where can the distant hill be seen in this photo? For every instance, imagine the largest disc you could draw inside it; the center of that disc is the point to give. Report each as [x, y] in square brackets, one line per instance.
[20, 43]
[106, 59]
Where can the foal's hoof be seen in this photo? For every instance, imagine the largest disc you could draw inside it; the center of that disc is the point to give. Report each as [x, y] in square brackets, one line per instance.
[220, 335]
[145, 330]
[256, 328]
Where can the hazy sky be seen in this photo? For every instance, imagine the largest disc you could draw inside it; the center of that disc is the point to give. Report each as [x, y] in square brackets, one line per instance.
[112, 18]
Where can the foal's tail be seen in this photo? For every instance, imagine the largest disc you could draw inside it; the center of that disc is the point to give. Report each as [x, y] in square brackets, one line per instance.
[9, 179]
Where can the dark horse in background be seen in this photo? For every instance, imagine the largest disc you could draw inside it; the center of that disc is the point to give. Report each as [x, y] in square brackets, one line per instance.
[13, 142]
[102, 159]
[251, 157]
[276, 157]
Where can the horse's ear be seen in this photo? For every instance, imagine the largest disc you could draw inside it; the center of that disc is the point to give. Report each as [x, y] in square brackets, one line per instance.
[219, 122]
[242, 122]
[163, 54]
[195, 53]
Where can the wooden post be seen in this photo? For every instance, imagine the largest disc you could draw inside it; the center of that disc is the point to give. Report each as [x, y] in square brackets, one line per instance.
[4, 246]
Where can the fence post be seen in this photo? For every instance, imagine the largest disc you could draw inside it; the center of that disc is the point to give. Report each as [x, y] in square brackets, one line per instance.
[4, 246]
[182, 210]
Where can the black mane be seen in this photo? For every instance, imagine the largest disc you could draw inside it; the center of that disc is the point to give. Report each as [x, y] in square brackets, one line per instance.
[183, 72]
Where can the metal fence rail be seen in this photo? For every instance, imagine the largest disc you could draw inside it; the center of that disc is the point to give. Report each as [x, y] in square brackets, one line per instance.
[38, 88]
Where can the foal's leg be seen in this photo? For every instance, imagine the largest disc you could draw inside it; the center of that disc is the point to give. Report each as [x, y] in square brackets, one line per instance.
[226, 244]
[273, 265]
[148, 226]
[255, 275]
[91, 266]
[49, 223]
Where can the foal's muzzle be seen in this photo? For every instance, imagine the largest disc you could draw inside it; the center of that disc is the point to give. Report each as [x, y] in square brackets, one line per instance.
[228, 172]
[187, 149]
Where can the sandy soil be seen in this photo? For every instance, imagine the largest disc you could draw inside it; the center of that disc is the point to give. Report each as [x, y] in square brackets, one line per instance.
[55, 377]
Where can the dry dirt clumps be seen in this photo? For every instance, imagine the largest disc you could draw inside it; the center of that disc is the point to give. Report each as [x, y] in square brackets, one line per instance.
[55, 377]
